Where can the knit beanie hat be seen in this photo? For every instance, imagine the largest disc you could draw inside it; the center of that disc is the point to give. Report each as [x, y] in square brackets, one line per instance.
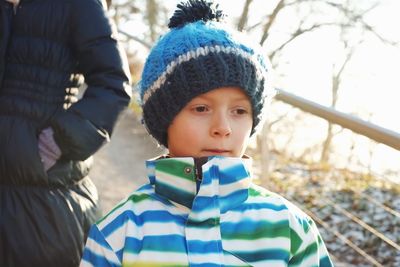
[197, 55]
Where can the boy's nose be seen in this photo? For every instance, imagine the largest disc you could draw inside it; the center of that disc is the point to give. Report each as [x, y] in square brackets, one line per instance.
[221, 126]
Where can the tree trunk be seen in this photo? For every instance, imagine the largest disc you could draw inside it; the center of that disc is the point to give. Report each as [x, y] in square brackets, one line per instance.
[244, 17]
[264, 152]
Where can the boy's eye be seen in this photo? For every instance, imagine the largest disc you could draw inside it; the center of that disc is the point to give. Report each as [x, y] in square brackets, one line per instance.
[200, 109]
[240, 111]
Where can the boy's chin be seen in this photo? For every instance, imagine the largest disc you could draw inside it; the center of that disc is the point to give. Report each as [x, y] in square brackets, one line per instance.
[216, 153]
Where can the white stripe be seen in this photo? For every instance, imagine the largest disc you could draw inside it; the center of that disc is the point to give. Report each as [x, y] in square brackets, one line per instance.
[155, 256]
[202, 235]
[271, 199]
[200, 51]
[102, 251]
[232, 260]
[228, 189]
[176, 182]
[206, 258]
[148, 229]
[241, 245]
[138, 208]
[85, 263]
[130, 206]
[210, 189]
[204, 214]
[272, 263]
[309, 260]
[254, 215]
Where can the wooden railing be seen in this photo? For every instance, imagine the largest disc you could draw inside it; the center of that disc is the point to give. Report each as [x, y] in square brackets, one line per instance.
[370, 130]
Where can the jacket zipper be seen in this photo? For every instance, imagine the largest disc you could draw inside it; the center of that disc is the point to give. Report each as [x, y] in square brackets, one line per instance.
[197, 174]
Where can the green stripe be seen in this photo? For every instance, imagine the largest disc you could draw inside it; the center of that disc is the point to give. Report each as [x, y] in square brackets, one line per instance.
[212, 222]
[134, 198]
[295, 241]
[301, 256]
[255, 193]
[261, 230]
[175, 168]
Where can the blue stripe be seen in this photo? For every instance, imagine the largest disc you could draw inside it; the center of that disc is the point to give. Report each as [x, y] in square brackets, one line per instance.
[170, 243]
[144, 187]
[132, 245]
[150, 167]
[206, 179]
[259, 206]
[96, 259]
[263, 255]
[231, 200]
[97, 235]
[204, 247]
[175, 194]
[233, 174]
[120, 254]
[202, 204]
[147, 216]
[325, 262]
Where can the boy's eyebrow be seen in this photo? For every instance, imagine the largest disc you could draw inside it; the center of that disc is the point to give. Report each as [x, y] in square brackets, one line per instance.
[238, 98]
[242, 98]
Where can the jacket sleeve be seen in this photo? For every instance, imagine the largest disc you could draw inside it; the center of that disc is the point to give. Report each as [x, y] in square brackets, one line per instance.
[85, 126]
[307, 246]
[97, 251]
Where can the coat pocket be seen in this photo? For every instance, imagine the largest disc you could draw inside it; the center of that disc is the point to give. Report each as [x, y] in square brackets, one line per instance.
[20, 163]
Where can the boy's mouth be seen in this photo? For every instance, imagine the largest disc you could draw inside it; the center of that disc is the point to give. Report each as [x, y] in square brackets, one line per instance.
[217, 151]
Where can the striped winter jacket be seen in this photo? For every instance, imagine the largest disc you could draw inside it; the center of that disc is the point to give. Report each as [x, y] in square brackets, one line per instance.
[212, 215]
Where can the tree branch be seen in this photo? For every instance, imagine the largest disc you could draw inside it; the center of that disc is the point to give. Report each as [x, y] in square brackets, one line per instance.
[271, 20]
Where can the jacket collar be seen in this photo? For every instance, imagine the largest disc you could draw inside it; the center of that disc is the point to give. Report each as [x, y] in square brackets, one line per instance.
[223, 179]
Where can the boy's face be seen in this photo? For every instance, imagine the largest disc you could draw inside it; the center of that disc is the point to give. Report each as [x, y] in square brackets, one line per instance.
[218, 122]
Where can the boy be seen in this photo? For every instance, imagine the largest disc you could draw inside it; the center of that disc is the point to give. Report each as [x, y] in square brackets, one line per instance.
[202, 92]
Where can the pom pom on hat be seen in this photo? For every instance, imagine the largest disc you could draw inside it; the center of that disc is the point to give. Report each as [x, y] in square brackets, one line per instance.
[193, 11]
[197, 55]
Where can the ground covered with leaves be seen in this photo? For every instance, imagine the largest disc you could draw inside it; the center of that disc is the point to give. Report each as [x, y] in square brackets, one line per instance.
[358, 214]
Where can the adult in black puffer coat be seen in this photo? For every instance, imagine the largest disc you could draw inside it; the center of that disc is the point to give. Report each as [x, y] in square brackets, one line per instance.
[45, 210]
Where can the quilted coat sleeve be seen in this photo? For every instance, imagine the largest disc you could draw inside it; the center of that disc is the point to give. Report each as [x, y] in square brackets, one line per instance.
[85, 126]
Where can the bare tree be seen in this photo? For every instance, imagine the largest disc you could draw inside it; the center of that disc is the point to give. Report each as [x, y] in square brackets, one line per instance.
[152, 18]
[336, 80]
[152, 13]
[347, 17]
[244, 17]
[350, 43]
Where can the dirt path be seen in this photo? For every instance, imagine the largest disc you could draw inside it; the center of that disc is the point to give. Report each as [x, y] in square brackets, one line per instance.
[119, 166]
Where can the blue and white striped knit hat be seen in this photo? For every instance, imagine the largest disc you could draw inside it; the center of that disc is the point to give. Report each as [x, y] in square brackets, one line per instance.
[197, 55]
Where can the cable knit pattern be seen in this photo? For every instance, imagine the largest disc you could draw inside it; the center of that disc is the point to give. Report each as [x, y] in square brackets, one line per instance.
[227, 221]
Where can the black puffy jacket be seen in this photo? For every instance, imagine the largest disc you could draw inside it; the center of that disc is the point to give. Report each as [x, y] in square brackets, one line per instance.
[44, 47]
